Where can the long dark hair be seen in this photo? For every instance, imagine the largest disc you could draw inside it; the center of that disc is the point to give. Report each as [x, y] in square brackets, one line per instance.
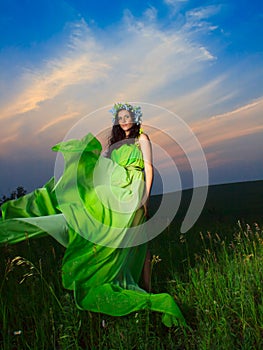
[118, 135]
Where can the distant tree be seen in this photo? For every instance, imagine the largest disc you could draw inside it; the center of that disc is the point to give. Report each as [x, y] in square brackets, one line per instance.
[3, 199]
[20, 191]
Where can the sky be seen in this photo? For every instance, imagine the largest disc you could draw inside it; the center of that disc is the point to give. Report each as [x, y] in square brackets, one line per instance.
[191, 64]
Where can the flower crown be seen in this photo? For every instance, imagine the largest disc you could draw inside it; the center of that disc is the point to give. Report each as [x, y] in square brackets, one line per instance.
[136, 110]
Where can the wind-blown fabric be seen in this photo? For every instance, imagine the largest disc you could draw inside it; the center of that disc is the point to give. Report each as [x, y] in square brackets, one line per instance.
[95, 211]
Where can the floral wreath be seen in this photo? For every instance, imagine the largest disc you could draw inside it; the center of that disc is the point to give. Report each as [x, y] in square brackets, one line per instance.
[136, 110]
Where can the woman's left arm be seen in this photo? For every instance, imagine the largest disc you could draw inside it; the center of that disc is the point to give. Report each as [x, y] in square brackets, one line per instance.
[146, 149]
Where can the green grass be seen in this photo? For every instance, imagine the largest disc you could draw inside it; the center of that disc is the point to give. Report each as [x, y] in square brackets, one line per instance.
[214, 272]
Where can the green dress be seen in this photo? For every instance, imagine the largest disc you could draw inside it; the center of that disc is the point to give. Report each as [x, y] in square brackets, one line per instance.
[94, 211]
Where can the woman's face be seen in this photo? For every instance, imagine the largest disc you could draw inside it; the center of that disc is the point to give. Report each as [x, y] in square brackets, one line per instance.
[125, 121]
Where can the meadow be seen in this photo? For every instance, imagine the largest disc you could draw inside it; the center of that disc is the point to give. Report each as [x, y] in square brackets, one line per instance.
[214, 272]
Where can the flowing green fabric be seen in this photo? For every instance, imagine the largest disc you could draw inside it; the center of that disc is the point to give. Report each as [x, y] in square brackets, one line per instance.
[95, 211]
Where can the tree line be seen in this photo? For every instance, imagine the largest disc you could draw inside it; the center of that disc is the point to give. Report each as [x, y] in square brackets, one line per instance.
[20, 191]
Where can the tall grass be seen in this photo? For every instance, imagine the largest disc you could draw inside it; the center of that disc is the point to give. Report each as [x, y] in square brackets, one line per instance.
[215, 277]
[224, 290]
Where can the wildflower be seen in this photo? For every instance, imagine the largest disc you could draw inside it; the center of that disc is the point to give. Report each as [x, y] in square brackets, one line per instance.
[247, 257]
[26, 275]
[218, 238]
[19, 332]
[248, 228]
[182, 239]
[156, 259]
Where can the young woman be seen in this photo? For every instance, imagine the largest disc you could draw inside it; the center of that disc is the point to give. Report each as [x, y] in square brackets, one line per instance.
[97, 210]
[127, 126]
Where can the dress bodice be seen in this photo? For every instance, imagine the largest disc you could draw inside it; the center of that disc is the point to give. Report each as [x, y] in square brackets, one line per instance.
[128, 155]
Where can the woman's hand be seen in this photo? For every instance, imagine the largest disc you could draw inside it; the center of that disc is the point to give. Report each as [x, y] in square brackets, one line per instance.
[145, 208]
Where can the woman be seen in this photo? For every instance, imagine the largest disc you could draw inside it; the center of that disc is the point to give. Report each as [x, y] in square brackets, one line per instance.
[127, 125]
[97, 210]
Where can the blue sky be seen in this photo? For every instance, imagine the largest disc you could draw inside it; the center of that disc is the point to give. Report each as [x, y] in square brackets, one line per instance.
[61, 60]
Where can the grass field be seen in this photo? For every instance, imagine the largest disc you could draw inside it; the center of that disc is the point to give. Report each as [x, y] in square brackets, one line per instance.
[214, 271]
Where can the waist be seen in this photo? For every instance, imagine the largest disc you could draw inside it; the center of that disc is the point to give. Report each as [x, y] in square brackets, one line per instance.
[133, 167]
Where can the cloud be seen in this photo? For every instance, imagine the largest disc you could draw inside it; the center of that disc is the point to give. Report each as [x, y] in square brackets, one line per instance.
[58, 120]
[196, 19]
[201, 13]
[137, 59]
[226, 138]
[73, 66]
[243, 121]
[150, 59]
[151, 13]
[175, 6]
[140, 60]
[174, 2]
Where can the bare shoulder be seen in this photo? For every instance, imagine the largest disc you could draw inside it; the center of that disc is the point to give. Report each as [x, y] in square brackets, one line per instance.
[144, 137]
